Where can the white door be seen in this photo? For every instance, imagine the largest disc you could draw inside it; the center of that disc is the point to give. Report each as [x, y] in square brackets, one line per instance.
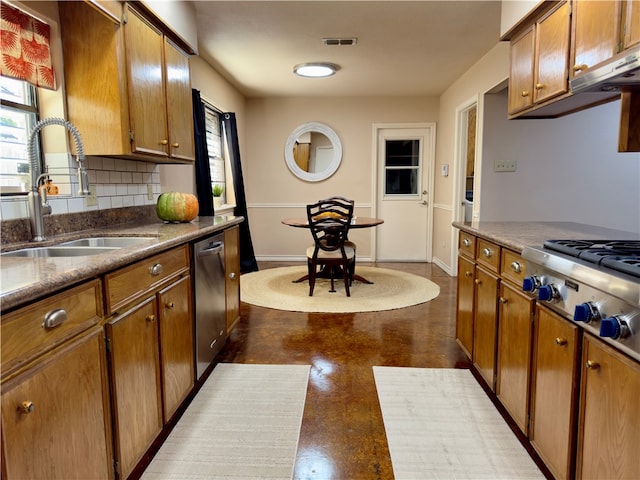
[405, 159]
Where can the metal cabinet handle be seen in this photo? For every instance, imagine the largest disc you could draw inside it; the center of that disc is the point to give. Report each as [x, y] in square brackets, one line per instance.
[164, 142]
[525, 93]
[151, 318]
[591, 365]
[539, 86]
[487, 252]
[175, 145]
[477, 281]
[516, 267]
[54, 318]
[468, 274]
[466, 242]
[561, 341]
[503, 300]
[579, 68]
[232, 275]
[26, 407]
[155, 269]
[169, 305]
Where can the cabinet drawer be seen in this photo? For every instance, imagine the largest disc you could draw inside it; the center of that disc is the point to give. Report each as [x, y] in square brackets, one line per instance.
[35, 329]
[134, 281]
[488, 254]
[512, 267]
[467, 245]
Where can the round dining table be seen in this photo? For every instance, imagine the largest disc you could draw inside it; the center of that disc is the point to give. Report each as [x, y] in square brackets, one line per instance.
[356, 222]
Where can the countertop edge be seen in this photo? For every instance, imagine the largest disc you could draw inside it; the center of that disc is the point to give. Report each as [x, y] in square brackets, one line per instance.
[94, 267]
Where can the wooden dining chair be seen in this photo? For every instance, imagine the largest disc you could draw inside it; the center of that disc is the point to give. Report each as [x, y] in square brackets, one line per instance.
[329, 222]
[347, 242]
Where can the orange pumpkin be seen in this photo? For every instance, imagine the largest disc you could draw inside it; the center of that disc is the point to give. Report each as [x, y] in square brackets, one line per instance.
[177, 207]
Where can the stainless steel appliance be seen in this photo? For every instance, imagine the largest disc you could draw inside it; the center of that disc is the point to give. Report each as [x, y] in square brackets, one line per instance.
[622, 70]
[211, 330]
[594, 283]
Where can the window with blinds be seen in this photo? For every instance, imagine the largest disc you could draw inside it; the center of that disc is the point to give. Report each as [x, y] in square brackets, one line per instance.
[216, 152]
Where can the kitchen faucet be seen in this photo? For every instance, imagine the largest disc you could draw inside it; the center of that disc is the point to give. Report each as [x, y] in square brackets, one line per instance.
[38, 205]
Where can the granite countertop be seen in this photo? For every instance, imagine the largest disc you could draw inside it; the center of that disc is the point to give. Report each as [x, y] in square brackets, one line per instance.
[517, 235]
[23, 279]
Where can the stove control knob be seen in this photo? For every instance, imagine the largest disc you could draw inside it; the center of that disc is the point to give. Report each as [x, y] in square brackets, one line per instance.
[614, 327]
[530, 284]
[548, 293]
[586, 312]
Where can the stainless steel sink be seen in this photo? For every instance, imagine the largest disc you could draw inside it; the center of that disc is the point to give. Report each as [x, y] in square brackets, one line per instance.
[59, 251]
[114, 242]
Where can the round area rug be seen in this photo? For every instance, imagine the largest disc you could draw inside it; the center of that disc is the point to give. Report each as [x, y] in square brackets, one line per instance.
[391, 289]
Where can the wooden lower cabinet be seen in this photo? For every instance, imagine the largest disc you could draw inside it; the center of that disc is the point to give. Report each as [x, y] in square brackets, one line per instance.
[176, 344]
[609, 423]
[515, 333]
[55, 415]
[464, 313]
[135, 382]
[232, 276]
[554, 385]
[485, 324]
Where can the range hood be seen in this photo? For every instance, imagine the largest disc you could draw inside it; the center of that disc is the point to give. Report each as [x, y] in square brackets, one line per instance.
[623, 70]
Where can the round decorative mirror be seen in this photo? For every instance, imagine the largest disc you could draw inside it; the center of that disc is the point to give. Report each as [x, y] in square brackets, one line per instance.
[313, 152]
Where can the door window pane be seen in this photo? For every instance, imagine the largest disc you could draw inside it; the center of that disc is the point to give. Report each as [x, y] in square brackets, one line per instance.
[402, 167]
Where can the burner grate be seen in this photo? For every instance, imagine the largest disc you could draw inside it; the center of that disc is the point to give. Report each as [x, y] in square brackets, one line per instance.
[619, 255]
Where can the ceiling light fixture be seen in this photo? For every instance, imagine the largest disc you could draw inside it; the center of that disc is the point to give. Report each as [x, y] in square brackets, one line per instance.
[315, 70]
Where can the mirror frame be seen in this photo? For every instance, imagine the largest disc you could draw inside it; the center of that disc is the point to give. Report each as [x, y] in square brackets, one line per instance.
[335, 142]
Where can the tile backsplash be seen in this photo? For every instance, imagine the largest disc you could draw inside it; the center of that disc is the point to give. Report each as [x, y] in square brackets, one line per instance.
[118, 183]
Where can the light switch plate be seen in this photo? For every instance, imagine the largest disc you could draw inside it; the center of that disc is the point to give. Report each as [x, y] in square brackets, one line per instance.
[505, 165]
[149, 191]
[91, 200]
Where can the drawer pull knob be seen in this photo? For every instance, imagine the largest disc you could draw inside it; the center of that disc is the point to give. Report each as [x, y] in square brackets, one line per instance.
[468, 274]
[54, 318]
[525, 93]
[591, 365]
[466, 242]
[516, 267]
[487, 252]
[232, 275]
[164, 142]
[151, 318]
[561, 341]
[503, 300]
[175, 145]
[168, 305]
[579, 68]
[26, 407]
[539, 86]
[155, 269]
[477, 281]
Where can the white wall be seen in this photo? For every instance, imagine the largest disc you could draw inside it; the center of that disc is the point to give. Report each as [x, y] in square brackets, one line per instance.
[568, 168]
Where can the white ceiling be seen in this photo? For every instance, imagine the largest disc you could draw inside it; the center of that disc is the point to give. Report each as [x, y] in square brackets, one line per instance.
[404, 47]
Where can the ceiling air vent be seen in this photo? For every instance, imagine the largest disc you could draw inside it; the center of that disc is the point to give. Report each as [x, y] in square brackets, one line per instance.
[340, 41]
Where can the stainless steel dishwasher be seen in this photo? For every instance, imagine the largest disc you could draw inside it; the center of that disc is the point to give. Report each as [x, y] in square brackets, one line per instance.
[211, 330]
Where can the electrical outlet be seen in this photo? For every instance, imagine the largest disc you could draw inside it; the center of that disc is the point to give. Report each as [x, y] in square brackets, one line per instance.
[149, 191]
[91, 200]
[505, 166]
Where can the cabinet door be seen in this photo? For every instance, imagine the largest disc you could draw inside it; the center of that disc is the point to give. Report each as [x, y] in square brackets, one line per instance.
[609, 425]
[631, 22]
[485, 325]
[514, 353]
[147, 106]
[596, 32]
[232, 275]
[552, 54]
[521, 71]
[55, 416]
[135, 382]
[179, 103]
[554, 392]
[176, 344]
[464, 318]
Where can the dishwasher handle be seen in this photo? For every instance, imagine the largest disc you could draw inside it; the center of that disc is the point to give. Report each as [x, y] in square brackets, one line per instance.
[214, 248]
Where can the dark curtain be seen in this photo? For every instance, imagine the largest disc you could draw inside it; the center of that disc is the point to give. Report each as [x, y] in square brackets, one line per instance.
[247, 257]
[203, 174]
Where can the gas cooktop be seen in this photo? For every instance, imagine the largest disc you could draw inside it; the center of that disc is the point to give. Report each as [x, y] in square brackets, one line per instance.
[619, 255]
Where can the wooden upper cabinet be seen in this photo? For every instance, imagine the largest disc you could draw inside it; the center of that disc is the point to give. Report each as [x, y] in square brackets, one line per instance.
[521, 71]
[596, 33]
[144, 45]
[128, 88]
[539, 60]
[630, 23]
[551, 73]
[179, 103]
